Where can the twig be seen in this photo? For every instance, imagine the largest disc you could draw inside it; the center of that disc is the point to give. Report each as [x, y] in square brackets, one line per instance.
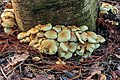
[14, 68]
[3, 73]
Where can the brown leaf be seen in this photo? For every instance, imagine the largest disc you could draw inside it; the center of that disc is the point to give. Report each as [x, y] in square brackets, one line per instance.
[18, 59]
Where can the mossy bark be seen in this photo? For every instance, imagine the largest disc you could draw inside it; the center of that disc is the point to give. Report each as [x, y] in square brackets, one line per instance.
[67, 12]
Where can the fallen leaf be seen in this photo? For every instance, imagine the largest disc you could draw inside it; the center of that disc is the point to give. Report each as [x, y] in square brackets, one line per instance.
[18, 59]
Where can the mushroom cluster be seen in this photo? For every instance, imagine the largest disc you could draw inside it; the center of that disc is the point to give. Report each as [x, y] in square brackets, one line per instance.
[8, 20]
[65, 41]
[106, 7]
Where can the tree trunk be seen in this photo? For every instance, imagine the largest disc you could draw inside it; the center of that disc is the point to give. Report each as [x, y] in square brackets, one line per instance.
[67, 12]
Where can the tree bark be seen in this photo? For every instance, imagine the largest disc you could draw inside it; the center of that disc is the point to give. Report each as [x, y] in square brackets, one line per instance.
[67, 12]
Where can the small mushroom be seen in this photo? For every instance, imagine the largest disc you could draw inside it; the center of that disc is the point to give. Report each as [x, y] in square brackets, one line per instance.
[68, 55]
[37, 45]
[46, 27]
[100, 39]
[64, 46]
[90, 47]
[74, 28]
[81, 51]
[51, 34]
[48, 45]
[84, 36]
[40, 34]
[8, 23]
[114, 10]
[83, 28]
[61, 54]
[21, 35]
[25, 40]
[91, 36]
[57, 28]
[7, 15]
[72, 47]
[64, 36]
[7, 30]
[33, 42]
[73, 37]
[97, 45]
[79, 37]
[86, 54]
[34, 31]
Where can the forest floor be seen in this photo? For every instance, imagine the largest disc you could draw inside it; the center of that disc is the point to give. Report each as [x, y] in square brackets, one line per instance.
[17, 63]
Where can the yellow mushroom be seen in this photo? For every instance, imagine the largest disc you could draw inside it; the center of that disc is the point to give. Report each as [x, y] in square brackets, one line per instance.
[64, 36]
[7, 30]
[74, 28]
[8, 23]
[68, 55]
[64, 46]
[79, 37]
[21, 35]
[57, 28]
[72, 47]
[9, 10]
[46, 27]
[83, 28]
[40, 34]
[51, 34]
[33, 42]
[48, 45]
[100, 39]
[7, 15]
[25, 40]
[73, 37]
[90, 47]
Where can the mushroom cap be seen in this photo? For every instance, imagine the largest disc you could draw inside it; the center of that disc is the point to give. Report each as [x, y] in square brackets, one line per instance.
[37, 45]
[86, 54]
[46, 27]
[74, 28]
[64, 36]
[72, 47]
[25, 40]
[83, 28]
[7, 30]
[84, 36]
[21, 35]
[81, 51]
[97, 45]
[34, 30]
[33, 42]
[114, 10]
[57, 28]
[100, 39]
[90, 47]
[91, 37]
[48, 45]
[79, 38]
[40, 34]
[61, 54]
[73, 37]
[68, 55]
[7, 15]
[51, 34]
[8, 23]
[9, 10]
[64, 46]
[106, 6]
